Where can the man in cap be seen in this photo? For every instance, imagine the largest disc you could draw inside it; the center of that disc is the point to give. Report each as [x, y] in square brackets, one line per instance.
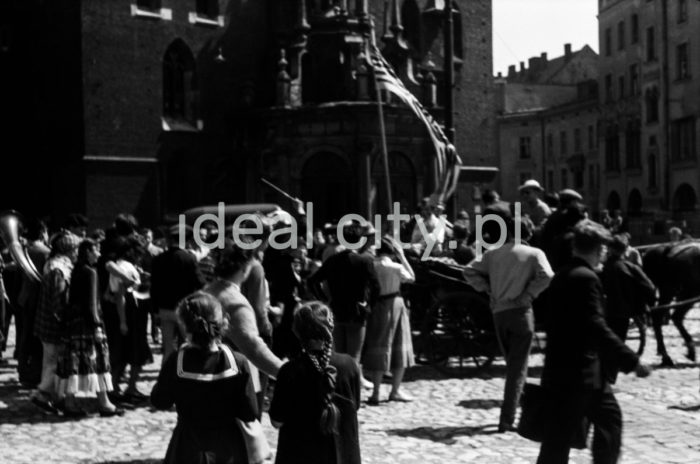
[578, 338]
[532, 205]
[556, 232]
[175, 275]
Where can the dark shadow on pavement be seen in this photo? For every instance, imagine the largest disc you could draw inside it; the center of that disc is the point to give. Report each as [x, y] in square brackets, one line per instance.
[480, 403]
[446, 434]
[439, 372]
[677, 366]
[687, 408]
[133, 461]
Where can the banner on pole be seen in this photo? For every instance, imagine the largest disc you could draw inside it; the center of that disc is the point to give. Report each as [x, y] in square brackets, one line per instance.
[448, 161]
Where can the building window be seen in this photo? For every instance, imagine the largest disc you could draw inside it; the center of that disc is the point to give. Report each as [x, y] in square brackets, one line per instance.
[651, 99]
[612, 150]
[682, 10]
[525, 148]
[621, 86]
[179, 83]
[591, 177]
[621, 35]
[564, 178]
[208, 8]
[562, 143]
[634, 79]
[578, 178]
[550, 180]
[651, 45]
[651, 164]
[633, 146]
[550, 145]
[608, 88]
[591, 138]
[151, 5]
[682, 65]
[608, 42]
[578, 146]
[635, 29]
[683, 139]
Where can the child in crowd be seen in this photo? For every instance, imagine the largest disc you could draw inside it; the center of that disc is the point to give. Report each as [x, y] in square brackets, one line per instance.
[317, 396]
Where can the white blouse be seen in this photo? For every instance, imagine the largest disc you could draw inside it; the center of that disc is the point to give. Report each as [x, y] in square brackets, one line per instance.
[390, 275]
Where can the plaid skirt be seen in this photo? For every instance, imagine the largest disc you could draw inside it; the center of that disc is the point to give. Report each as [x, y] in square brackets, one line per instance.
[388, 343]
[83, 360]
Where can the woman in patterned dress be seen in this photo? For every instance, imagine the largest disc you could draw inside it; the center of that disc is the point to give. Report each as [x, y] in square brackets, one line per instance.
[83, 364]
[53, 301]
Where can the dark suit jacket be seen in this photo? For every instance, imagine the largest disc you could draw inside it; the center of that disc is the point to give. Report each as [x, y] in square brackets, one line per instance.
[174, 275]
[351, 279]
[577, 334]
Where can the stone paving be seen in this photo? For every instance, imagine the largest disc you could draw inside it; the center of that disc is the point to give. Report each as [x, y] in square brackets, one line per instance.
[453, 420]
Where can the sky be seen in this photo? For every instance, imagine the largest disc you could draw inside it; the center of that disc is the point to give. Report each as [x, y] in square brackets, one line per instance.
[526, 28]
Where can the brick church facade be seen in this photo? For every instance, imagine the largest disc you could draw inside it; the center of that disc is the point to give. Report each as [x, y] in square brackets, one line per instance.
[154, 106]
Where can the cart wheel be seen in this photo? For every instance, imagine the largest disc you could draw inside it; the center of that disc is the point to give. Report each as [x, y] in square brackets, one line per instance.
[637, 335]
[459, 324]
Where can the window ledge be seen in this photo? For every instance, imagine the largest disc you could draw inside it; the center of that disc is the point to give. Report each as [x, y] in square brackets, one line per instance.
[165, 14]
[170, 124]
[205, 20]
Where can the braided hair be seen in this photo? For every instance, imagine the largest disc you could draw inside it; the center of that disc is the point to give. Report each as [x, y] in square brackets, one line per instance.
[313, 324]
[202, 317]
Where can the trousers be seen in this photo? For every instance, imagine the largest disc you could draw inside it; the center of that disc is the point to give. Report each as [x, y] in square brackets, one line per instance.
[567, 411]
[515, 329]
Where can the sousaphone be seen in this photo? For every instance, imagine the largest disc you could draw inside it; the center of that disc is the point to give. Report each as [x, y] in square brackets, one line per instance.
[9, 232]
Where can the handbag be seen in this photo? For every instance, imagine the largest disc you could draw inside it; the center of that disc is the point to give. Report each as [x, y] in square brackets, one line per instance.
[257, 447]
[534, 404]
[533, 409]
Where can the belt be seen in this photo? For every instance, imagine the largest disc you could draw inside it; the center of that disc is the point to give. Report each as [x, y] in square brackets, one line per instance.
[388, 296]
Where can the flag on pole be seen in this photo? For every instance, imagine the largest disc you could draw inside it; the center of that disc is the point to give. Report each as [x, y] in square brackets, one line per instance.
[448, 161]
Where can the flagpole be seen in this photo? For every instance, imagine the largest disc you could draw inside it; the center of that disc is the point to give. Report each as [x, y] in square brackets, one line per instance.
[382, 131]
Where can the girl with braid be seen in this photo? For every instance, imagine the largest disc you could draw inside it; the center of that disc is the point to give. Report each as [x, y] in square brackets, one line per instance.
[317, 395]
[210, 386]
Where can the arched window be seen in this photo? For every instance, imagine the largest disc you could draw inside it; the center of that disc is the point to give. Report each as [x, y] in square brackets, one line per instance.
[457, 31]
[208, 8]
[614, 201]
[402, 176]
[410, 18]
[684, 199]
[634, 203]
[180, 91]
[151, 5]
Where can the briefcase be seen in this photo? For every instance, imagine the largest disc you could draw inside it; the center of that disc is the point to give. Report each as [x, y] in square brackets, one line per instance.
[533, 410]
[533, 417]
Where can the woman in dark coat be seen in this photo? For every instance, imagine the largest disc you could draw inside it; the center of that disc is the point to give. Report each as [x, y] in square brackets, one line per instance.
[211, 388]
[317, 395]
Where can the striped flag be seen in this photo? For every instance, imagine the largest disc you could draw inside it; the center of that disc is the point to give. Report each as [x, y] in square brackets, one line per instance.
[448, 161]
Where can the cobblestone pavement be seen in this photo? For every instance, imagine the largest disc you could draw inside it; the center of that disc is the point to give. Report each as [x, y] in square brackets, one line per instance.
[452, 420]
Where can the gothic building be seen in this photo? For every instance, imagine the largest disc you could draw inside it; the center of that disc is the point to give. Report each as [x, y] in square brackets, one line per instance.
[153, 106]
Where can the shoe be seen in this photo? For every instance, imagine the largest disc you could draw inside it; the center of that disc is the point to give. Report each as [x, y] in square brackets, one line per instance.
[44, 404]
[400, 397]
[372, 401]
[74, 413]
[111, 412]
[366, 384]
[503, 428]
[115, 396]
[135, 395]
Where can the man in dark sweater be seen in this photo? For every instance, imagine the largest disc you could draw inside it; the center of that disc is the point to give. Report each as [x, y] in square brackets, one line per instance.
[353, 286]
[577, 338]
[174, 275]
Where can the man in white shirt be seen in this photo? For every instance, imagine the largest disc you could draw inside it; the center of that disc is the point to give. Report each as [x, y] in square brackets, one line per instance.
[513, 275]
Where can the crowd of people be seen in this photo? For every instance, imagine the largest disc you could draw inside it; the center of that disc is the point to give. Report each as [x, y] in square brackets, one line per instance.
[316, 320]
